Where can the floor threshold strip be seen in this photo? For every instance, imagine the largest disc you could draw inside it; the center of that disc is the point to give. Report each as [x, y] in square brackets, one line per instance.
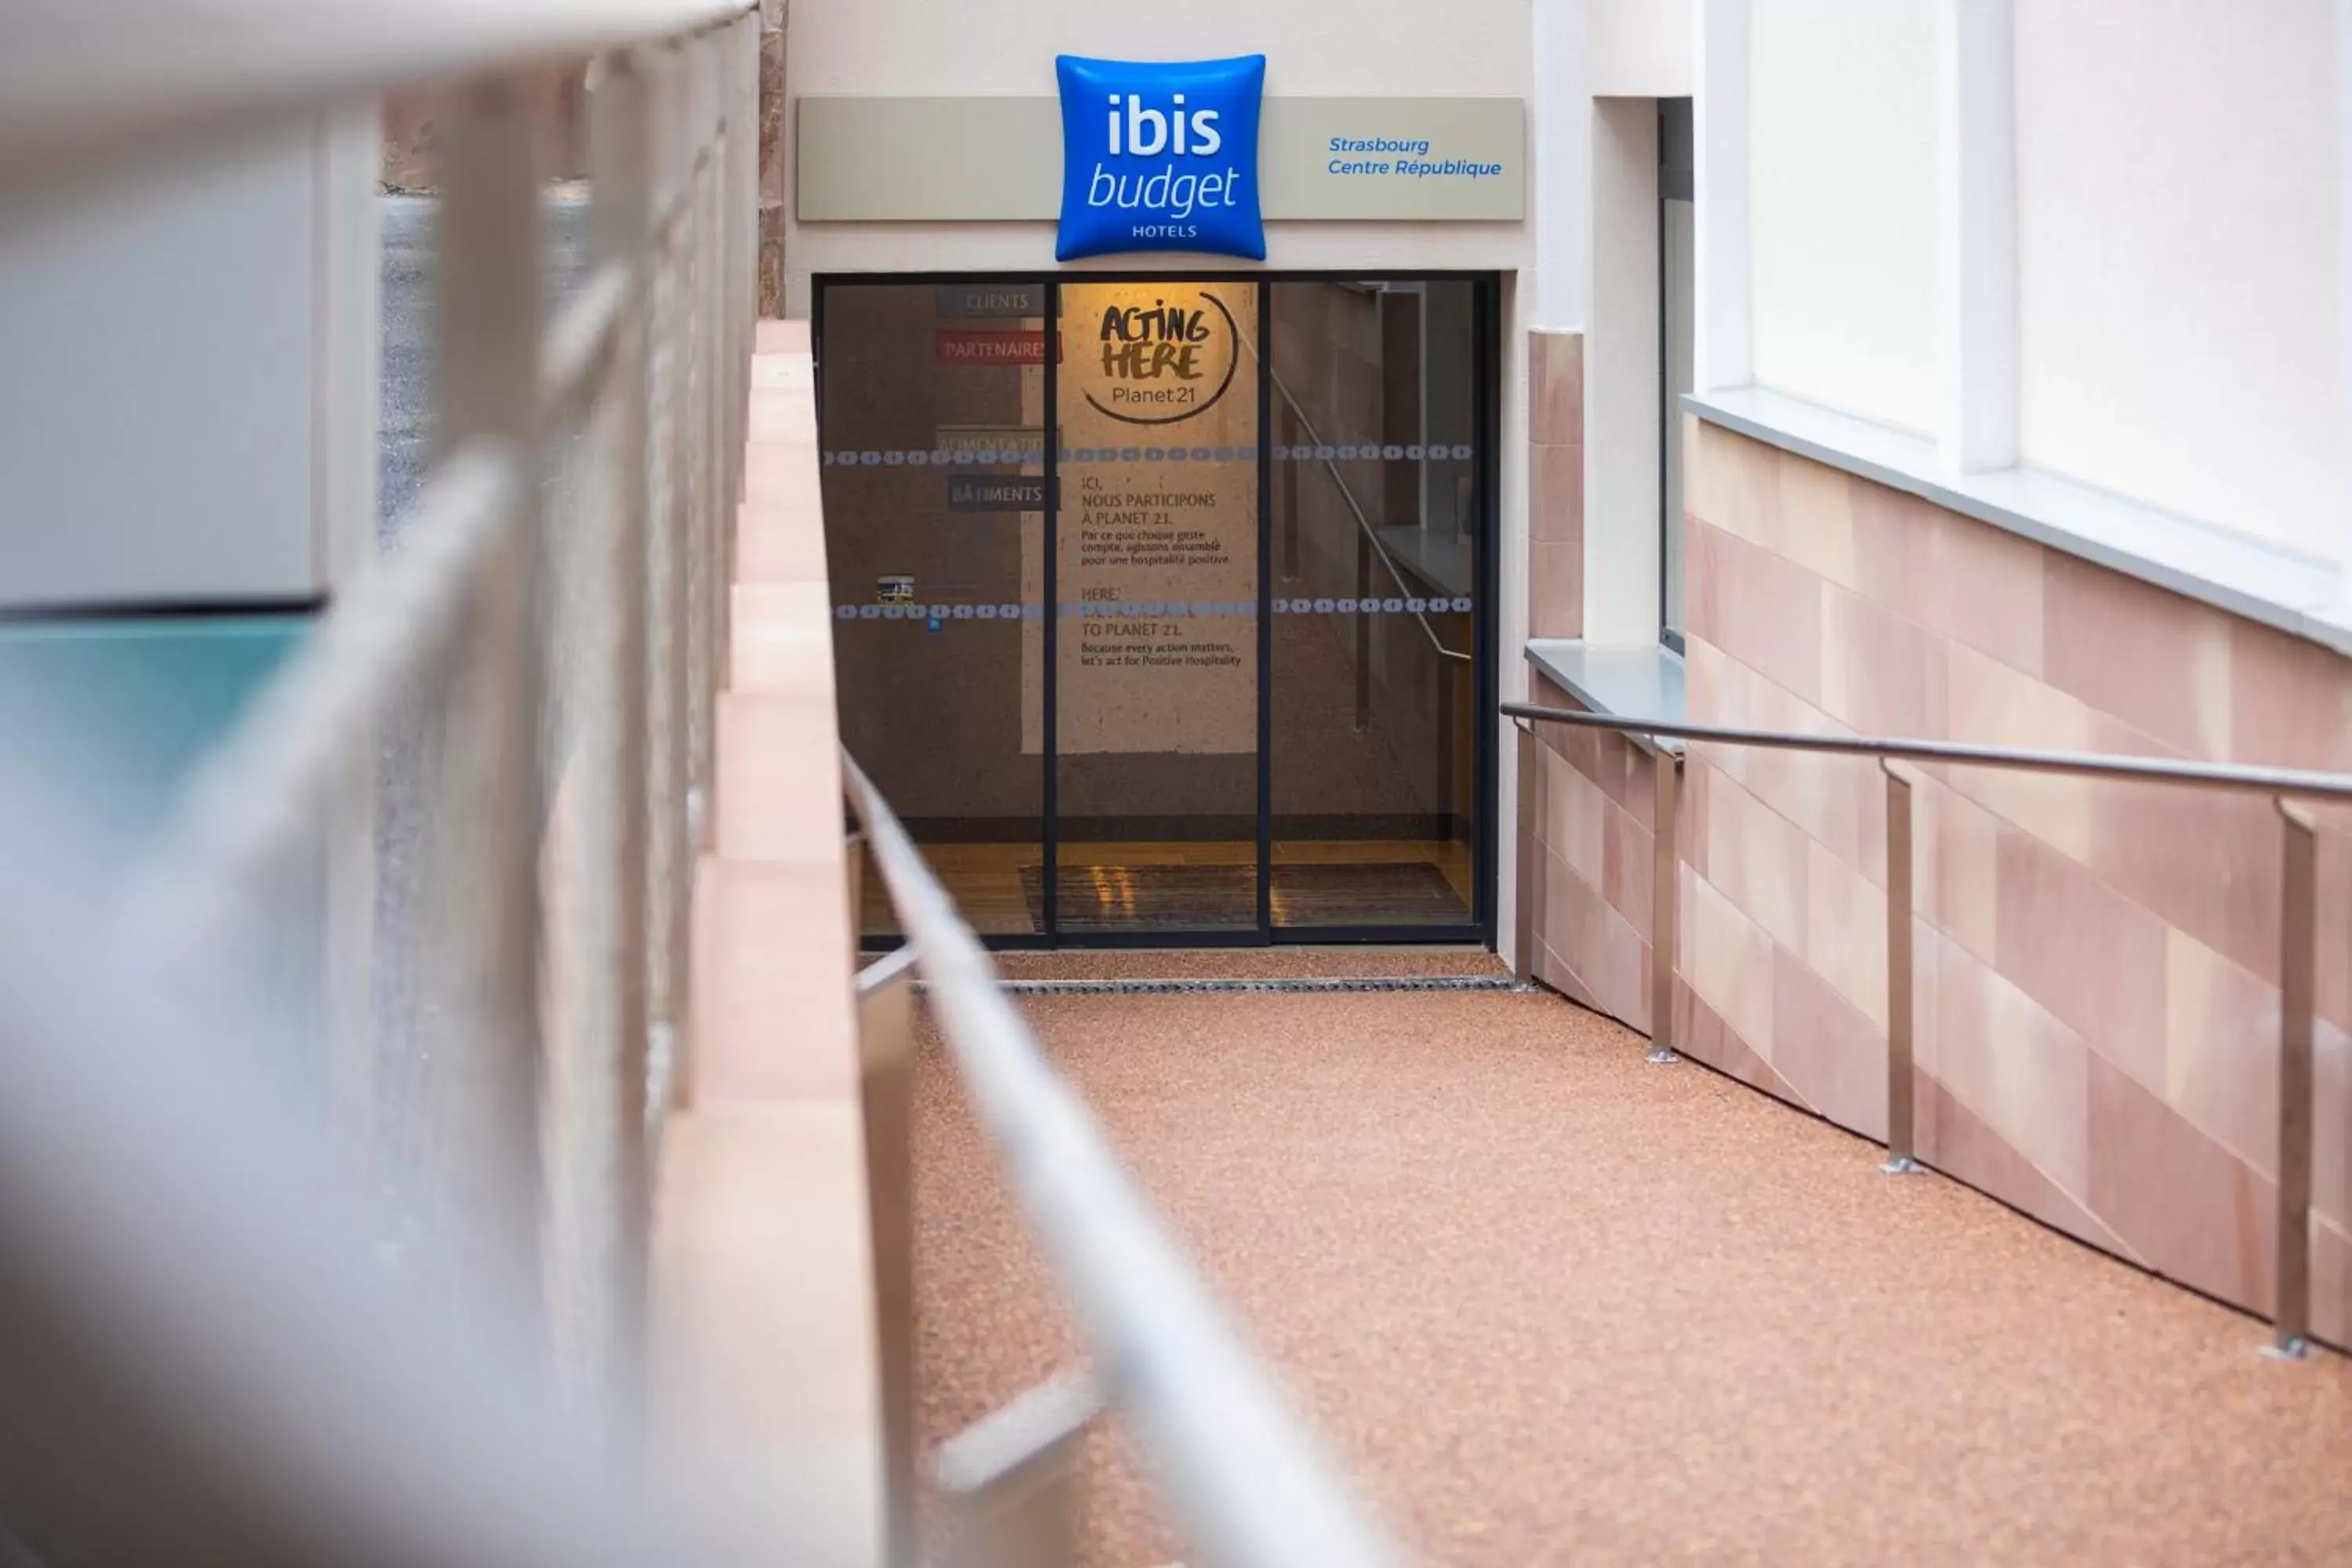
[1296, 983]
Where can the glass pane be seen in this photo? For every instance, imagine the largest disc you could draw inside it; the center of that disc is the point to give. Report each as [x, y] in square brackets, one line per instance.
[1676, 230]
[1155, 677]
[934, 507]
[1375, 516]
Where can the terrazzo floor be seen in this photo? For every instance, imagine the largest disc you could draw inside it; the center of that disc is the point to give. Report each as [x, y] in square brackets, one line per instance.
[1548, 1303]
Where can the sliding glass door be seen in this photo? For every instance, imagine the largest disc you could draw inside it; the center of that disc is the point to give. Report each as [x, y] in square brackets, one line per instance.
[1156, 696]
[1209, 666]
[934, 470]
[1377, 500]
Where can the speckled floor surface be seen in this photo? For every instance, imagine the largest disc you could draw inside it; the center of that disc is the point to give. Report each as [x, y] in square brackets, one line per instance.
[1550, 1304]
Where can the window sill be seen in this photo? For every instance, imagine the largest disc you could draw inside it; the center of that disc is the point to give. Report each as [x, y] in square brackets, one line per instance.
[2282, 588]
[1624, 682]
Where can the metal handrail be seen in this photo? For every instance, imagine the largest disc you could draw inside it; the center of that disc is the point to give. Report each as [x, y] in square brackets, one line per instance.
[2298, 957]
[199, 895]
[1248, 1483]
[2297, 782]
[1363, 523]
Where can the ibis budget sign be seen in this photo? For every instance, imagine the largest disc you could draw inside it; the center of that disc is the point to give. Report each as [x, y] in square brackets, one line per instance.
[1160, 157]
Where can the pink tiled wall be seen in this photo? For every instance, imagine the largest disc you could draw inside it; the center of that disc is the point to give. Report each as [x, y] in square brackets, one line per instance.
[1592, 891]
[2097, 996]
[1555, 484]
[1593, 874]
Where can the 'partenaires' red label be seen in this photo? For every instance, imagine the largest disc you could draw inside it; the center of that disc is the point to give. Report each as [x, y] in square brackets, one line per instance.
[962, 345]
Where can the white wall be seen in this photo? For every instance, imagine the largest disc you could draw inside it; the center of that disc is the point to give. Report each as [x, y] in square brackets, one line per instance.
[1640, 48]
[1620, 379]
[1842, 162]
[188, 370]
[155, 435]
[1559, 129]
[2177, 254]
[1313, 47]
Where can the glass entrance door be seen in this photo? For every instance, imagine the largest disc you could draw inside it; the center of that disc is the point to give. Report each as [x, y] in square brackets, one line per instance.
[1377, 504]
[932, 410]
[1162, 603]
[1155, 701]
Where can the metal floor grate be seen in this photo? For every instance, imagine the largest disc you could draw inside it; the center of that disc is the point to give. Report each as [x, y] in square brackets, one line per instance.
[1301, 984]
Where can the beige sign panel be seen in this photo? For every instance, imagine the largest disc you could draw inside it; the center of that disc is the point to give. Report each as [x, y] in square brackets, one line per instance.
[982, 160]
[1433, 160]
[928, 160]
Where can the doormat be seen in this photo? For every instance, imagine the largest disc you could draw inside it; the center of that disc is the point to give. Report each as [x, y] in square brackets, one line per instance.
[1299, 985]
[1146, 898]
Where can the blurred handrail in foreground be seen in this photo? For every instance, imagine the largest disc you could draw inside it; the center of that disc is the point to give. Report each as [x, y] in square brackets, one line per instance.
[82, 84]
[205, 1361]
[530, 674]
[1249, 1487]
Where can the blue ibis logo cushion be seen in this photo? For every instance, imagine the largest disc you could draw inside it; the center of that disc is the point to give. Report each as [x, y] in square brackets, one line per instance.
[1160, 157]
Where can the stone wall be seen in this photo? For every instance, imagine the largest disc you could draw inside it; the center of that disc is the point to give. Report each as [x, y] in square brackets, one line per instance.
[772, 16]
[559, 99]
[556, 99]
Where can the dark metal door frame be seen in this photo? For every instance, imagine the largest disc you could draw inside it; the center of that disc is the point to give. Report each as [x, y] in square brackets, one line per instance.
[1485, 359]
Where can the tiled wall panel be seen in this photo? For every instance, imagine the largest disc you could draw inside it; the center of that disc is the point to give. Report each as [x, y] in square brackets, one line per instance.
[2097, 964]
[2096, 989]
[1555, 484]
[1592, 896]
